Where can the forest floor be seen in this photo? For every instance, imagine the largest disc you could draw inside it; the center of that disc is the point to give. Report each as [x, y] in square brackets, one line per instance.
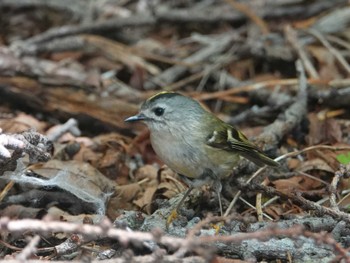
[77, 183]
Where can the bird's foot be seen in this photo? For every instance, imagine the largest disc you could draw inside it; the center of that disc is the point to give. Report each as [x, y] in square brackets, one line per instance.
[173, 215]
[217, 227]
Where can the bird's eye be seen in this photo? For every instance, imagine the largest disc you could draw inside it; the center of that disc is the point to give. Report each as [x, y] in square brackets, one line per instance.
[158, 111]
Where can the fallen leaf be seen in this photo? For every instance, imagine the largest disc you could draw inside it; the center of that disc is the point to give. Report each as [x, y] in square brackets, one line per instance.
[146, 200]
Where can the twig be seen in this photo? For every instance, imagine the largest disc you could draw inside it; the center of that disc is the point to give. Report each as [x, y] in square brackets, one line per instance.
[331, 49]
[95, 27]
[76, 8]
[6, 189]
[269, 84]
[220, 62]
[217, 45]
[29, 250]
[313, 177]
[311, 148]
[247, 88]
[291, 117]
[105, 229]
[70, 126]
[134, 259]
[237, 195]
[293, 40]
[185, 81]
[333, 190]
[299, 199]
[338, 41]
[250, 14]
[259, 206]
[253, 207]
[191, 243]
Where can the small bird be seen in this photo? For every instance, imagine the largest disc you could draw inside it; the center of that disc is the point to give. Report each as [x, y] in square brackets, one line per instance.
[195, 143]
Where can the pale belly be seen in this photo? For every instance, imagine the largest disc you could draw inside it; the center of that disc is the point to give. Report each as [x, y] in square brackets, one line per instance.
[187, 160]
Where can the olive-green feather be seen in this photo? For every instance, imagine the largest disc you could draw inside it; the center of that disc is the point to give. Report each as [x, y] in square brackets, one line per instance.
[229, 139]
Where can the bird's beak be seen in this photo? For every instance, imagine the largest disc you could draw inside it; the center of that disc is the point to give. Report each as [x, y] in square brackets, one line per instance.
[138, 117]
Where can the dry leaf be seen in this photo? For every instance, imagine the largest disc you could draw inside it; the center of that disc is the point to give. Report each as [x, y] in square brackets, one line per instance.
[315, 164]
[299, 182]
[146, 200]
[275, 211]
[127, 193]
[323, 131]
[20, 212]
[78, 179]
[146, 171]
[55, 213]
[22, 122]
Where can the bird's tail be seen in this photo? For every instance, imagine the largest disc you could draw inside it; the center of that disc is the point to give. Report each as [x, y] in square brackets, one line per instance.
[260, 159]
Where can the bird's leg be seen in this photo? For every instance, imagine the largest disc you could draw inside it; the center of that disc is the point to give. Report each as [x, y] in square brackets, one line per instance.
[188, 191]
[175, 212]
[220, 204]
[218, 187]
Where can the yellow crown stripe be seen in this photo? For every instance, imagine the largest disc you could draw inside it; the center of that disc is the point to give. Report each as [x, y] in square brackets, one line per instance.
[159, 94]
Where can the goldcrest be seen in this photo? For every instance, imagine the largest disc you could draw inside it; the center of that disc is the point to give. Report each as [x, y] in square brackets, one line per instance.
[193, 142]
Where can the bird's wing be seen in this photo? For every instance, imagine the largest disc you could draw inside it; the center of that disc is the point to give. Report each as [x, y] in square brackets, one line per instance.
[230, 139]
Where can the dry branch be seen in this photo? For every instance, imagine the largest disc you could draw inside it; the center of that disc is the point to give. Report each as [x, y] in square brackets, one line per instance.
[36, 145]
[197, 244]
[291, 117]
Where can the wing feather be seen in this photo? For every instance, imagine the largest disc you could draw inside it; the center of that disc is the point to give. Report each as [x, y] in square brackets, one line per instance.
[233, 140]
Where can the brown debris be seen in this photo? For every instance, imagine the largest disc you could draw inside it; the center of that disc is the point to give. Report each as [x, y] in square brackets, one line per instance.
[72, 71]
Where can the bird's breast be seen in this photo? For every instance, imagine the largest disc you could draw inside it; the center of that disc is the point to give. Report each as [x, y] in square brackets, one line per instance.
[191, 159]
[178, 154]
